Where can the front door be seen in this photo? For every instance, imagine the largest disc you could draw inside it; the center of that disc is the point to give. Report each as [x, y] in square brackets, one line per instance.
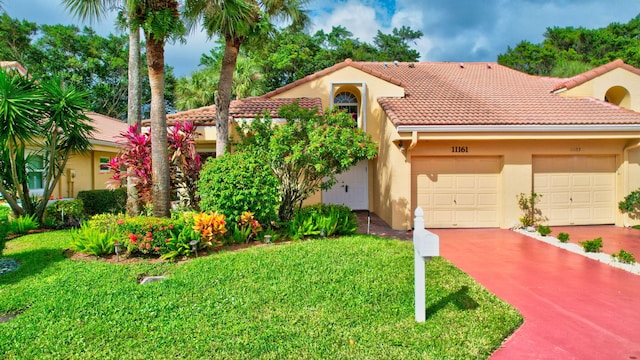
[352, 188]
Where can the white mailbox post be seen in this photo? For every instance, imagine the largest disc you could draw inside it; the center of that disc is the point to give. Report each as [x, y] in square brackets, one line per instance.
[425, 245]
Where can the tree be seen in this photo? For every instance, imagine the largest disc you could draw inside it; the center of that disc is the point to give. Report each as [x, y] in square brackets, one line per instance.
[160, 21]
[306, 152]
[238, 21]
[44, 116]
[395, 46]
[15, 38]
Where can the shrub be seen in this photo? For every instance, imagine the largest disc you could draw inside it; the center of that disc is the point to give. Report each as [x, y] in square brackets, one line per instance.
[624, 257]
[563, 237]
[107, 222]
[92, 241]
[4, 232]
[23, 224]
[527, 203]
[147, 235]
[544, 230]
[4, 212]
[323, 220]
[631, 204]
[236, 183]
[104, 201]
[64, 213]
[592, 245]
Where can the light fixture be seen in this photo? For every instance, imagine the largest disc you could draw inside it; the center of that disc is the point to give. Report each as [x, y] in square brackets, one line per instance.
[118, 247]
[194, 246]
[401, 146]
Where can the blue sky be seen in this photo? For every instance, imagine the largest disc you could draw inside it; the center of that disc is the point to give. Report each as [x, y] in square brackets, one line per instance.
[463, 30]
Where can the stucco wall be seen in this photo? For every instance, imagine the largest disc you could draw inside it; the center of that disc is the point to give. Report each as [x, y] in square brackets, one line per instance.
[598, 87]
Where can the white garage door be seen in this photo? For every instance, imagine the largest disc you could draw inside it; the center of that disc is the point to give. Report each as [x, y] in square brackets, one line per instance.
[576, 190]
[457, 191]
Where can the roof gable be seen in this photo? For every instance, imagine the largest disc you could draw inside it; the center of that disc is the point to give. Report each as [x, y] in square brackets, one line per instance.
[594, 73]
[13, 65]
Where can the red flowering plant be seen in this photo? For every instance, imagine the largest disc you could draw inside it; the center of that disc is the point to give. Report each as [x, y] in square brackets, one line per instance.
[135, 161]
[149, 235]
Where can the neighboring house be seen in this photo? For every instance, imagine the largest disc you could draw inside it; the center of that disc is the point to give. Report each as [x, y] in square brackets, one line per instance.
[463, 140]
[83, 171]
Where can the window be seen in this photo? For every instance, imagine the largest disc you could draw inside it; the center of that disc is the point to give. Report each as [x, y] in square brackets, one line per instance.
[104, 164]
[35, 171]
[348, 102]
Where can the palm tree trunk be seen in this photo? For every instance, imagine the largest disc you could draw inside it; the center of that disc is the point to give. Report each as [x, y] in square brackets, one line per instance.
[223, 100]
[134, 110]
[159, 143]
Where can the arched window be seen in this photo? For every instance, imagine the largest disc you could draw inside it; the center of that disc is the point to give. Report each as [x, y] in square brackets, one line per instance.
[348, 102]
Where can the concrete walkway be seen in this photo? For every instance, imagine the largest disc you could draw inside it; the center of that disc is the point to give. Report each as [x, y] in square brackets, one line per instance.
[574, 307]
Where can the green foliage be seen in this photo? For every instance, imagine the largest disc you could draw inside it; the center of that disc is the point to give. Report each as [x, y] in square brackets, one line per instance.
[65, 213]
[624, 257]
[306, 152]
[569, 51]
[106, 222]
[322, 220]
[104, 201]
[22, 224]
[325, 292]
[148, 235]
[592, 245]
[238, 182]
[563, 237]
[531, 214]
[544, 230]
[178, 246]
[92, 241]
[4, 212]
[631, 204]
[4, 232]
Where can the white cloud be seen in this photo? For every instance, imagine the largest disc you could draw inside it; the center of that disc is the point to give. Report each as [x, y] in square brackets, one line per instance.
[356, 17]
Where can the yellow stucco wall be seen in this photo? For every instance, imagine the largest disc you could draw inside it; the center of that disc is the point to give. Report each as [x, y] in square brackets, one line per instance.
[88, 176]
[598, 87]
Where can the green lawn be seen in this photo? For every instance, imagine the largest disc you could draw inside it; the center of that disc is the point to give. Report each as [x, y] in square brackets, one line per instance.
[346, 298]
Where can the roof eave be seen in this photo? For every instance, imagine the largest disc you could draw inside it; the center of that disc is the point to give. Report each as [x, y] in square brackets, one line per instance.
[517, 128]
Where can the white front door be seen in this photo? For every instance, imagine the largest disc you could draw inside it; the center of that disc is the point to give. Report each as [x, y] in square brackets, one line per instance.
[352, 188]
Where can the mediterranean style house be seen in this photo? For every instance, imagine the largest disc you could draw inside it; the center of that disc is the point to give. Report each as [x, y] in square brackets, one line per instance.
[88, 171]
[464, 140]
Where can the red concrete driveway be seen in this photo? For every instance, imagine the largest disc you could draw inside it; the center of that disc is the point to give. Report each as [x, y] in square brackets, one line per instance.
[574, 307]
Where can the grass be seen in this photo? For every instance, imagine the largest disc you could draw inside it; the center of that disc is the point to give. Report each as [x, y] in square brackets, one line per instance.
[346, 298]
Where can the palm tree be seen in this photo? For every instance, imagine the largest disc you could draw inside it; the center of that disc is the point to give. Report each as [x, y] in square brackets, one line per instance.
[160, 20]
[95, 10]
[238, 21]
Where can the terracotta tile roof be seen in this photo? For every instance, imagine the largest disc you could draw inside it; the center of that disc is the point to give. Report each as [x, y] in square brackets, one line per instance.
[348, 62]
[486, 94]
[107, 129]
[247, 108]
[13, 65]
[593, 73]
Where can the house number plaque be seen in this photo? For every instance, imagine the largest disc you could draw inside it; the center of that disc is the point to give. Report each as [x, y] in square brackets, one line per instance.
[459, 149]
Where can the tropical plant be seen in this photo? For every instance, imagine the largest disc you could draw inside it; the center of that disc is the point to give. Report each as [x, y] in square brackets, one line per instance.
[237, 22]
[211, 227]
[236, 183]
[92, 241]
[322, 220]
[143, 235]
[246, 229]
[44, 116]
[22, 224]
[179, 244]
[592, 245]
[135, 162]
[306, 152]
